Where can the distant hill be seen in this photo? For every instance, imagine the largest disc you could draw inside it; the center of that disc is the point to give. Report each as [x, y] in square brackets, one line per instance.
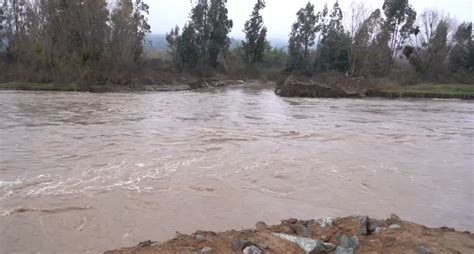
[157, 42]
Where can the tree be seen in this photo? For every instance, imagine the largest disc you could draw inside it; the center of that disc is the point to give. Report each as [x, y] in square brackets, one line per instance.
[255, 34]
[333, 50]
[400, 19]
[362, 43]
[357, 17]
[204, 38]
[462, 55]
[2, 25]
[173, 42]
[380, 54]
[129, 26]
[220, 27]
[302, 36]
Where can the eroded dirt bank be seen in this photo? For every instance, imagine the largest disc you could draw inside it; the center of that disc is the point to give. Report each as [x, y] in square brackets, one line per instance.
[355, 234]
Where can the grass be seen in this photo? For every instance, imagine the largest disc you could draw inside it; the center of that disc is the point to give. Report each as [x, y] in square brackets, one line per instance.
[443, 91]
[39, 87]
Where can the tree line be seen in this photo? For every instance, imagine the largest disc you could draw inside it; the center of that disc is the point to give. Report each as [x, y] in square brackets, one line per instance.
[86, 39]
[73, 39]
[390, 41]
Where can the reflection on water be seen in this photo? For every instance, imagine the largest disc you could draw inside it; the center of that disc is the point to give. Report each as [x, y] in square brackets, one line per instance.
[86, 172]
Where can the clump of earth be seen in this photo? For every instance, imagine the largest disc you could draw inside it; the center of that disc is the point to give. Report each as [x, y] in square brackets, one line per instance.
[355, 234]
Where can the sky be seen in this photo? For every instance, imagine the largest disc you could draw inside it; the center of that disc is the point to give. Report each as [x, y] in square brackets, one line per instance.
[280, 14]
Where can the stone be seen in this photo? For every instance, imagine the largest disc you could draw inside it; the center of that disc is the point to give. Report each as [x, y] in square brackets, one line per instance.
[363, 225]
[252, 250]
[207, 250]
[394, 226]
[395, 217]
[301, 230]
[422, 250]
[341, 250]
[239, 244]
[292, 221]
[146, 244]
[327, 222]
[261, 225]
[200, 237]
[310, 246]
[348, 242]
[372, 225]
[377, 230]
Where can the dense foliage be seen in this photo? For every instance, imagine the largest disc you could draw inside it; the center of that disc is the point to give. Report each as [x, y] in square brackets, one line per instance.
[204, 38]
[69, 39]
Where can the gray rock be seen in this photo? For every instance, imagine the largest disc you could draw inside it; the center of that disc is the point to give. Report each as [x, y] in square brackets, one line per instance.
[394, 226]
[252, 250]
[301, 230]
[363, 225]
[348, 242]
[310, 246]
[207, 250]
[239, 244]
[422, 250]
[373, 224]
[341, 250]
[395, 217]
[325, 223]
[261, 225]
[200, 237]
[377, 230]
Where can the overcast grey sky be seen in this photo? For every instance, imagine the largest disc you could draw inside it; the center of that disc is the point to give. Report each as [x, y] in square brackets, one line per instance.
[280, 14]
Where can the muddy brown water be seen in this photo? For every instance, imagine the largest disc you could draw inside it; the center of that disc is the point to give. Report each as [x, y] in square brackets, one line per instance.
[83, 173]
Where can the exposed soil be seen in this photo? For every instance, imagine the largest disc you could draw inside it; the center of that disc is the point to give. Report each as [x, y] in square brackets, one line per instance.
[325, 86]
[336, 85]
[374, 236]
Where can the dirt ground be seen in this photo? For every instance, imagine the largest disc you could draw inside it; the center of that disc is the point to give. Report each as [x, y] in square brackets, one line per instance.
[373, 236]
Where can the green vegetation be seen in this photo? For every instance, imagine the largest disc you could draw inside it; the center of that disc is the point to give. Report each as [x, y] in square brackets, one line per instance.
[39, 87]
[67, 41]
[93, 43]
[429, 91]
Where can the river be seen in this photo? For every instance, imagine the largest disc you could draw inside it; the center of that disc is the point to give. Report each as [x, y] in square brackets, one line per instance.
[83, 173]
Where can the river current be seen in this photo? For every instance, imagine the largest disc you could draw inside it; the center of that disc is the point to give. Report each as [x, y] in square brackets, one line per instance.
[83, 173]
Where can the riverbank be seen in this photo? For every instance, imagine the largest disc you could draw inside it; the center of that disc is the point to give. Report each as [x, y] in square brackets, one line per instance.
[322, 86]
[190, 84]
[353, 234]
[337, 86]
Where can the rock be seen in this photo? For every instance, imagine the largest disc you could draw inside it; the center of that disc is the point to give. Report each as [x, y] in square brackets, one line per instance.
[207, 250]
[394, 226]
[348, 242]
[239, 244]
[422, 250]
[372, 226]
[341, 250]
[252, 250]
[395, 217]
[261, 225]
[146, 244]
[326, 222]
[448, 229]
[199, 84]
[200, 237]
[292, 221]
[363, 225]
[310, 246]
[376, 231]
[301, 230]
